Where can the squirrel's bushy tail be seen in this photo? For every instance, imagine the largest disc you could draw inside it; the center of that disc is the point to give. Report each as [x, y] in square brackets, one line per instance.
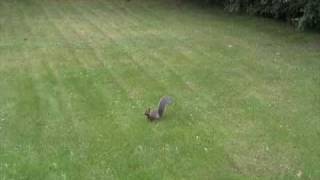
[163, 103]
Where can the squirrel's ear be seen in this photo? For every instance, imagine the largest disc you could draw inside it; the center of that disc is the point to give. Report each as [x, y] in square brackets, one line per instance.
[147, 111]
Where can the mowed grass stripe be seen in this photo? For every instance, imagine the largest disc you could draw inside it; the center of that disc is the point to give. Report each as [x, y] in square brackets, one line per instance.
[94, 56]
[124, 107]
[26, 122]
[117, 78]
[59, 124]
[98, 97]
[52, 75]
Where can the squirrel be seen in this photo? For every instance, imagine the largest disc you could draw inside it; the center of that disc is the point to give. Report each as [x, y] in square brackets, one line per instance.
[158, 113]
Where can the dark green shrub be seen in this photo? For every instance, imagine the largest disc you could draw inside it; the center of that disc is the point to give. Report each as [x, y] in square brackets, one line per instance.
[302, 13]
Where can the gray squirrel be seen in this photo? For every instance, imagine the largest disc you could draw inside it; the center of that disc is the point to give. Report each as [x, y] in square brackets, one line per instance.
[158, 113]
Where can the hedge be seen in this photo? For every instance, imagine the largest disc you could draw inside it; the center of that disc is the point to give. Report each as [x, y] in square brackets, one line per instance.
[301, 13]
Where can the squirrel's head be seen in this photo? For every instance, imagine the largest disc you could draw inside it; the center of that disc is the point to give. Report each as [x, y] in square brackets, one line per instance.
[147, 113]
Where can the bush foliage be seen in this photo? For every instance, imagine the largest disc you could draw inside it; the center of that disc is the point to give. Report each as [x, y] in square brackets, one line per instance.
[302, 13]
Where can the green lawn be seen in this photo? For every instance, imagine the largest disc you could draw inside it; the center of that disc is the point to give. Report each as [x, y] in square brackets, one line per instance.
[76, 77]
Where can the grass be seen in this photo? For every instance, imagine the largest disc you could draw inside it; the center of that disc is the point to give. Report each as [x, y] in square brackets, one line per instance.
[76, 77]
